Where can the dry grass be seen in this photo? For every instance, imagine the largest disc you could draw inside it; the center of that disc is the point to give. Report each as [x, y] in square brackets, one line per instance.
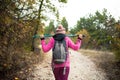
[24, 65]
[104, 60]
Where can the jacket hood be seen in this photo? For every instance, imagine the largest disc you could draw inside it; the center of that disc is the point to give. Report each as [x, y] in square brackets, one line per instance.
[59, 37]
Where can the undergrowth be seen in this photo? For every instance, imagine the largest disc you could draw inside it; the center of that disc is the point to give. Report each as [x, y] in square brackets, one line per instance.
[105, 61]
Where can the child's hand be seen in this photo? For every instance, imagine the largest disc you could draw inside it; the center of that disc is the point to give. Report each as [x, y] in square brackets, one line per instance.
[80, 36]
[42, 37]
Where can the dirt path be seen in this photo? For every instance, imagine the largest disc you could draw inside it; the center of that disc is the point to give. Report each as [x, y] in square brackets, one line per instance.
[82, 68]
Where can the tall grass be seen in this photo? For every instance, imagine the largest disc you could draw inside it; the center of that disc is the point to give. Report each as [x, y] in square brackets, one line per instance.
[105, 61]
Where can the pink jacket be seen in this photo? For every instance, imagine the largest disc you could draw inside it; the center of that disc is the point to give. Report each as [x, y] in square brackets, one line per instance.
[69, 43]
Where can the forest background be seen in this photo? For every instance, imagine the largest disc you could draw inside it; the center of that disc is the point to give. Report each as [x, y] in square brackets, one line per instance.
[20, 20]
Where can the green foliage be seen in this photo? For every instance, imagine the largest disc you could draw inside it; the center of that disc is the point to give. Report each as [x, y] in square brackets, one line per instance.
[19, 20]
[115, 42]
[50, 28]
[86, 39]
[103, 29]
[95, 25]
[65, 23]
[64, 1]
[14, 34]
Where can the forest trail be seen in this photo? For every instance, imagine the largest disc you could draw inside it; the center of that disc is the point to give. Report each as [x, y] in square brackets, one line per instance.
[82, 68]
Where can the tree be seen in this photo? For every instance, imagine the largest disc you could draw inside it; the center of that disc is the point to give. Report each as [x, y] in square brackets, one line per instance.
[65, 23]
[47, 7]
[50, 28]
[96, 25]
[19, 20]
[15, 32]
[103, 29]
[115, 40]
[86, 39]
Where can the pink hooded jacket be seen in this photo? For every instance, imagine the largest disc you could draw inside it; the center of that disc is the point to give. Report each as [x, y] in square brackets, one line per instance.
[47, 47]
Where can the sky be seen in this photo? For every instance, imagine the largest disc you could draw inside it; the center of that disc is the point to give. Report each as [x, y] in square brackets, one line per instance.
[76, 9]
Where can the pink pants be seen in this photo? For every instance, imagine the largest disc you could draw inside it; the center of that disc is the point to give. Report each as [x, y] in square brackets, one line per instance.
[58, 73]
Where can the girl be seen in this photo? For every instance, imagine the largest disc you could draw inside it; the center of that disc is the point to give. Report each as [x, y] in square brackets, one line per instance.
[60, 35]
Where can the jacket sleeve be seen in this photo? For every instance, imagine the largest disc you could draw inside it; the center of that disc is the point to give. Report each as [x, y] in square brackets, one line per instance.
[47, 46]
[74, 46]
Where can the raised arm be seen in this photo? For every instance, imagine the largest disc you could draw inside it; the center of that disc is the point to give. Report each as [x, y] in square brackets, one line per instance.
[75, 46]
[47, 46]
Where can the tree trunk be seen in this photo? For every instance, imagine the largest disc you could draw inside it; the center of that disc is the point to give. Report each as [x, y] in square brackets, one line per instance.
[36, 41]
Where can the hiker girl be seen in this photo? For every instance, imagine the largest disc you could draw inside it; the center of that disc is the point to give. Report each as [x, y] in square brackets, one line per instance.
[61, 70]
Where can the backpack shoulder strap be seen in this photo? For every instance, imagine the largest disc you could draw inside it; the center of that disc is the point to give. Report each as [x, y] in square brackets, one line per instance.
[64, 44]
[54, 44]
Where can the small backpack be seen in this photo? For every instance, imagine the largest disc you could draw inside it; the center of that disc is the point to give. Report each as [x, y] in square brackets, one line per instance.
[59, 52]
